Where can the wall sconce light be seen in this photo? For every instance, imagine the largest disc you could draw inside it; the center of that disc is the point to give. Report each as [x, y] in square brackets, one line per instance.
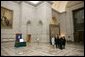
[40, 22]
[29, 22]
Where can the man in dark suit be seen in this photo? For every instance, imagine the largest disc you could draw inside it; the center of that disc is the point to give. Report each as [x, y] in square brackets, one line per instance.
[61, 43]
[57, 40]
[64, 42]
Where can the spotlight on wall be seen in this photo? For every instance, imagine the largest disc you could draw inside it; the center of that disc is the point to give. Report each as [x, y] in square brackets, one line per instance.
[62, 35]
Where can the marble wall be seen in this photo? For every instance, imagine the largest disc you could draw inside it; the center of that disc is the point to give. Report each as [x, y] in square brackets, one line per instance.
[66, 19]
[36, 14]
[27, 15]
[10, 33]
[44, 14]
[23, 13]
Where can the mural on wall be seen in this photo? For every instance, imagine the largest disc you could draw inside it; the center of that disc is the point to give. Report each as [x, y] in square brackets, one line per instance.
[6, 18]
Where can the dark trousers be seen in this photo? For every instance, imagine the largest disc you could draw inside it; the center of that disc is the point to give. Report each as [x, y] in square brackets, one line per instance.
[56, 45]
[64, 46]
[60, 45]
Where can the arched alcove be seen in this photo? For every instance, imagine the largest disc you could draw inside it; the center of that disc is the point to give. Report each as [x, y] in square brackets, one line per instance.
[28, 29]
[53, 20]
[40, 30]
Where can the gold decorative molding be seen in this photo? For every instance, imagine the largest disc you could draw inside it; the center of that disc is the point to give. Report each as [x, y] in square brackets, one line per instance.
[73, 4]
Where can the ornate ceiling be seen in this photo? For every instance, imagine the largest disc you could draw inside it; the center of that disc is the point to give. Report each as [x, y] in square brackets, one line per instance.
[59, 6]
[34, 2]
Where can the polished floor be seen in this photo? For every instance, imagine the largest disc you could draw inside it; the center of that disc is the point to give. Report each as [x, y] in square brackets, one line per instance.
[41, 49]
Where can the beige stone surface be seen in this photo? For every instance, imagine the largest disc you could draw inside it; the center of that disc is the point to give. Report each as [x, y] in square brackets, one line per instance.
[41, 49]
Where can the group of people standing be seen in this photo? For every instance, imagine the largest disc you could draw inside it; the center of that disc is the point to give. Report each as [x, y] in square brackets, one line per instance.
[58, 41]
